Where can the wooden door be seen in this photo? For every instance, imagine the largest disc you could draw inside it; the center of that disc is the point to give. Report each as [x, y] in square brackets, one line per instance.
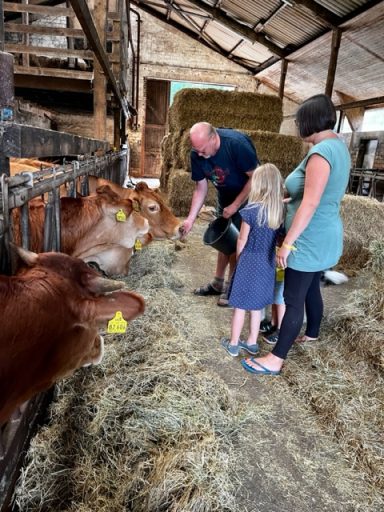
[155, 126]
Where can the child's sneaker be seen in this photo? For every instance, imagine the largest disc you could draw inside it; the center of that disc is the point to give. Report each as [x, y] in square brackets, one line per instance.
[265, 325]
[272, 338]
[233, 350]
[251, 349]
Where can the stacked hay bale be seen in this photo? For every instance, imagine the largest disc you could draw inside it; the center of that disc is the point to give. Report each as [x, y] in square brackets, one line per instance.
[341, 375]
[363, 220]
[258, 115]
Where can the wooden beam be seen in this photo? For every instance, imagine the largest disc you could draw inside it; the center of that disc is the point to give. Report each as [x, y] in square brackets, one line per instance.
[100, 89]
[85, 18]
[283, 74]
[240, 29]
[378, 101]
[47, 50]
[22, 141]
[2, 33]
[46, 10]
[54, 72]
[321, 12]
[336, 38]
[51, 82]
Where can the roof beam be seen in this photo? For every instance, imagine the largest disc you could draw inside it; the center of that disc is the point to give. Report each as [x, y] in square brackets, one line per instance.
[321, 12]
[243, 30]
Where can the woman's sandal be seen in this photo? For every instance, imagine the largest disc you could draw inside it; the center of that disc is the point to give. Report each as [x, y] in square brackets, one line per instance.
[304, 339]
[207, 289]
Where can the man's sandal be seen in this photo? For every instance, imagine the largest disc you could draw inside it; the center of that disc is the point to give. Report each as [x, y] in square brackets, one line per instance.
[208, 289]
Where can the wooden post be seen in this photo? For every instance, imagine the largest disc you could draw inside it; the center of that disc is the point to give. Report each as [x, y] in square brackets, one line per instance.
[283, 74]
[100, 92]
[336, 38]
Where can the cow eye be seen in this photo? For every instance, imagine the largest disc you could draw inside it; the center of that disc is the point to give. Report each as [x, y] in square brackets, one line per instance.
[153, 208]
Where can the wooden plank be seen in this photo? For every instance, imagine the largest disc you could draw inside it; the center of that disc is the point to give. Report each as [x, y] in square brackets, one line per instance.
[54, 31]
[46, 10]
[54, 72]
[53, 83]
[46, 50]
[336, 38]
[22, 141]
[42, 29]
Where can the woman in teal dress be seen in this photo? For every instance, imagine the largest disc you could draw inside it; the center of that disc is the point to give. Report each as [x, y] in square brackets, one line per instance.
[314, 230]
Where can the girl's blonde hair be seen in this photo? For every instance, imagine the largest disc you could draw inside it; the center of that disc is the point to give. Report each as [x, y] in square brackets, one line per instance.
[267, 190]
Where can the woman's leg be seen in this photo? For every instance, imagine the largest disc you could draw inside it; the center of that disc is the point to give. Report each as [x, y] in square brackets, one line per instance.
[296, 286]
[237, 325]
[254, 326]
[314, 308]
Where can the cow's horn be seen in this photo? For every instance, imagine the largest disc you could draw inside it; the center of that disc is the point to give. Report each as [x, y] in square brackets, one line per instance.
[29, 257]
[101, 285]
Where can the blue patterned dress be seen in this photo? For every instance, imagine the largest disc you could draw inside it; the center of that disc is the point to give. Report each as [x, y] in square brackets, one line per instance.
[253, 280]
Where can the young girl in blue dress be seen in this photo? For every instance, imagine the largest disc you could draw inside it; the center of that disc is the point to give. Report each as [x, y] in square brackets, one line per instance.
[252, 286]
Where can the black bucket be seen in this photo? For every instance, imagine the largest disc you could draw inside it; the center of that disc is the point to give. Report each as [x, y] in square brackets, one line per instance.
[222, 235]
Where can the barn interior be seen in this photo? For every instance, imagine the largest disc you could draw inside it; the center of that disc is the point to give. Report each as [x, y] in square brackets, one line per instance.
[111, 88]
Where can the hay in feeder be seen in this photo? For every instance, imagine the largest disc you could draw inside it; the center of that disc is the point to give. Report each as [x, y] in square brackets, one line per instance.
[180, 190]
[363, 220]
[147, 430]
[342, 377]
[230, 109]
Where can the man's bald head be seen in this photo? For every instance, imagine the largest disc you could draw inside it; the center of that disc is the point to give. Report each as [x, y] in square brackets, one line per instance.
[204, 139]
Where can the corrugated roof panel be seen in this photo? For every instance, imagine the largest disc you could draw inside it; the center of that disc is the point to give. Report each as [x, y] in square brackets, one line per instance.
[341, 8]
[250, 11]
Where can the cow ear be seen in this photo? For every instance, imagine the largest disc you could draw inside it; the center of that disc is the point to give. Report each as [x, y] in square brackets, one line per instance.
[29, 257]
[141, 186]
[130, 305]
[106, 192]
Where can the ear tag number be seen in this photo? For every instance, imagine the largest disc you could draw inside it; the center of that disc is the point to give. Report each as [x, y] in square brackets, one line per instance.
[117, 324]
[120, 216]
[138, 245]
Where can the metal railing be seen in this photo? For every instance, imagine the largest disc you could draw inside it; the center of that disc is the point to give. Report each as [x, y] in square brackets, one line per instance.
[367, 182]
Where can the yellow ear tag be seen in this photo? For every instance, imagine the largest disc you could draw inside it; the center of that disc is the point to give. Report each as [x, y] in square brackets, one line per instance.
[117, 324]
[136, 206]
[120, 216]
[138, 245]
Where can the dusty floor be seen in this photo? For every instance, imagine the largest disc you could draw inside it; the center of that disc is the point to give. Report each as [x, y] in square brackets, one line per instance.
[291, 464]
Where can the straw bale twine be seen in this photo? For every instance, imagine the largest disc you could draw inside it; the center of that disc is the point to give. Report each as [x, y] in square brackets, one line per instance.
[180, 191]
[232, 109]
[147, 430]
[363, 220]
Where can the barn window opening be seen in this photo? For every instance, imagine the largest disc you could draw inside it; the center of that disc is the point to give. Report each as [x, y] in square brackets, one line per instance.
[373, 120]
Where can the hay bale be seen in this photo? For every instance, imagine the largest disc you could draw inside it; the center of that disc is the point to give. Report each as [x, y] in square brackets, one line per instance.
[341, 376]
[363, 220]
[180, 190]
[232, 109]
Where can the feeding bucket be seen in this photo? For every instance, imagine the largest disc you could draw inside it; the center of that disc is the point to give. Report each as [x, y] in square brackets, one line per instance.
[222, 235]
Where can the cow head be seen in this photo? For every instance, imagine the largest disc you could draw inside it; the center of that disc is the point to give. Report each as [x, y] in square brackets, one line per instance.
[163, 223]
[49, 324]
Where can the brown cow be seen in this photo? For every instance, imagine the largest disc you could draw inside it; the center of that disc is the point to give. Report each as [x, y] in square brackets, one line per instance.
[90, 228]
[162, 222]
[49, 316]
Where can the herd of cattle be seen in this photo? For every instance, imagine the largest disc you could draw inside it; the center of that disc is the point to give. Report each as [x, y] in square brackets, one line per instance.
[52, 308]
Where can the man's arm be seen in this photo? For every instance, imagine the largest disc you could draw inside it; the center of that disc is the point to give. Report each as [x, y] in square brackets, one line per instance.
[233, 207]
[198, 198]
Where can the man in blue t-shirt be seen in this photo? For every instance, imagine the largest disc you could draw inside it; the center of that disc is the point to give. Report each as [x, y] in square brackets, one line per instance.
[227, 158]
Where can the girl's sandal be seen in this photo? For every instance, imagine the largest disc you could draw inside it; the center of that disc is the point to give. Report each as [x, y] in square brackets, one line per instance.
[207, 289]
[304, 339]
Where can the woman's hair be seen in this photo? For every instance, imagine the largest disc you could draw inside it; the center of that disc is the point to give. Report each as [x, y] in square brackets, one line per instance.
[267, 190]
[315, 114]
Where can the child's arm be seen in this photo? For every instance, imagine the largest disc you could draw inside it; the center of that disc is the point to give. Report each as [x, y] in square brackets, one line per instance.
[243, 237]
